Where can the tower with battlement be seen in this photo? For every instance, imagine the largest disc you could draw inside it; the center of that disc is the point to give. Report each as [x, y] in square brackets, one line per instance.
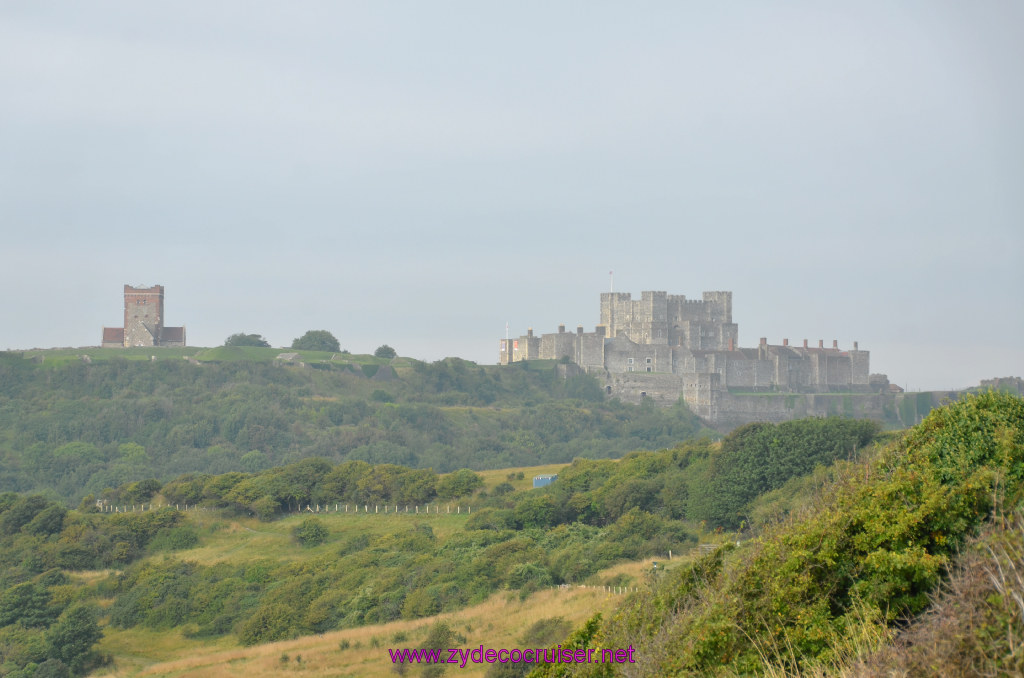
[671, 319]
[143, 321]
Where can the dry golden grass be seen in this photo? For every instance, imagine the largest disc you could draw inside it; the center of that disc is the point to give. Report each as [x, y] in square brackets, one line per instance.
[89, 577]
[498, 622]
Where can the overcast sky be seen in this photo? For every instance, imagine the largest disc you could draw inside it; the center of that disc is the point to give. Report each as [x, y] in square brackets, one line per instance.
[422, 173]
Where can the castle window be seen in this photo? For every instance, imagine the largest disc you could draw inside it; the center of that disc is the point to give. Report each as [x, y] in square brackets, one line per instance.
[648, 361]
[648, 369]
[630, 361]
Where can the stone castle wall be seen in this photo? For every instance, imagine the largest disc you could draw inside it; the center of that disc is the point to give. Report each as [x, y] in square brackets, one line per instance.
[662, 347]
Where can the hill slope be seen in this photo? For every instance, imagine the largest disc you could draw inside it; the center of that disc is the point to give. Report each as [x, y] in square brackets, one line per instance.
[828, 586]
[76, 428]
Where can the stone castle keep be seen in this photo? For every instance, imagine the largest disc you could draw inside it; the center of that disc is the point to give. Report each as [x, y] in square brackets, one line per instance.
[664, 347]
[143, 321]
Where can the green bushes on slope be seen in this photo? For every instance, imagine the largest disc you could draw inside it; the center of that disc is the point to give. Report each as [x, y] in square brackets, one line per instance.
[866, 555]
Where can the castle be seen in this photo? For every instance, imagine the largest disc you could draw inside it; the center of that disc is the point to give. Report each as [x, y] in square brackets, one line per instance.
[664, 347]
[143, 321]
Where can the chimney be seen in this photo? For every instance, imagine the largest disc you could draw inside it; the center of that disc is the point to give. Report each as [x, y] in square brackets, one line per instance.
[529, 332]
[805, 343]
[835, 344]
[731, 346]
[821, 343]
[561, 328]
[855, 346]
[579, 329]
[764, 340]
[785, 342]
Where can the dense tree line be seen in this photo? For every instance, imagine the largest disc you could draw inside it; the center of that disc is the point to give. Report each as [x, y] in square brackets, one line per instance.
[697, 481]
[79, 428]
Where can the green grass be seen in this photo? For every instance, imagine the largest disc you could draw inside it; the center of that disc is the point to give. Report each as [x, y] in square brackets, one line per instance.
[53, 357]
[245, 540]
[240, 353]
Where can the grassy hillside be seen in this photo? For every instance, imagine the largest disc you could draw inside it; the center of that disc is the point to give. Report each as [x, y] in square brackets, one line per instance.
[500, 621]
[249, 564]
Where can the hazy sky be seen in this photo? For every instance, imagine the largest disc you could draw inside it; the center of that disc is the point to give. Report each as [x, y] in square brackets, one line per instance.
[421, 173]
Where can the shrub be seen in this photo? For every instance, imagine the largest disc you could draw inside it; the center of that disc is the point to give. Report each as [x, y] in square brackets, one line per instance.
[311, 532]
[267, 623]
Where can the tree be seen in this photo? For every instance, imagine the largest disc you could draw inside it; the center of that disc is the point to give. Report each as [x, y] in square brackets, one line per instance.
[72, 637]
[385, 351]
[28, 604]
[317, 340]
[440, 636]
[242, 339]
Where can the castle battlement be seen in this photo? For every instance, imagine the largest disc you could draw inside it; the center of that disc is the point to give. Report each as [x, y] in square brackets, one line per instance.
[689, 348]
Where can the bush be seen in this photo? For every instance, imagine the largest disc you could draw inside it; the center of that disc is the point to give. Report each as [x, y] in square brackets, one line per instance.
[268, 623]
[311, 532]
[241, 339]
[175, 539]
[458, 484]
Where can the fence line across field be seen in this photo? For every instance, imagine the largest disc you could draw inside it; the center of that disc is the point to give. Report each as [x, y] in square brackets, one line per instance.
[617, 590]
[415, 509]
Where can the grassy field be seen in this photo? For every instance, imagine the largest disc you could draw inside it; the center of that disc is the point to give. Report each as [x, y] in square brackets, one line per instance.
[510, 475]
[244, 540]
[59, 356]
[248, 539]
